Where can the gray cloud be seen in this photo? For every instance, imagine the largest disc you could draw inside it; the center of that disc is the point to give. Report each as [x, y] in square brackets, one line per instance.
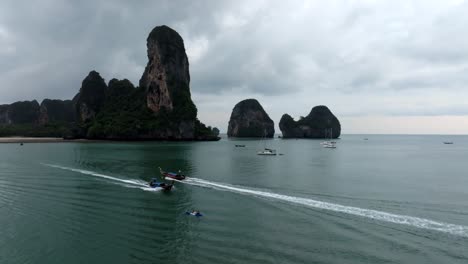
[352, 56]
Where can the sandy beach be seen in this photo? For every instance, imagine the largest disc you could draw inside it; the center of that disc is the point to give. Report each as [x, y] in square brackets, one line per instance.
[39, 140]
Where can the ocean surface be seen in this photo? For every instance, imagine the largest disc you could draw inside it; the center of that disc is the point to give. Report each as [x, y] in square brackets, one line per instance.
[388, 199]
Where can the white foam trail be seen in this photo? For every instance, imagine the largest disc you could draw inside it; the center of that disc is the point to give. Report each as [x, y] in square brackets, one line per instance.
[453, 229]
[132, 183]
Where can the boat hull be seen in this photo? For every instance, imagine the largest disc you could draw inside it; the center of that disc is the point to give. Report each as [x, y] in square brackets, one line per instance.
[164, 186]
[172, 176]
[266, 154]
[194, 214]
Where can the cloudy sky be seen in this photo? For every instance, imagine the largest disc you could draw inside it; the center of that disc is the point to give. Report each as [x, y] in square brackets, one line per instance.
[380, 66]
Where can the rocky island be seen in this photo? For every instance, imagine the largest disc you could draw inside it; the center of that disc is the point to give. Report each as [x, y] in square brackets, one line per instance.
[161, 107]
[320, 123]
[249, 119]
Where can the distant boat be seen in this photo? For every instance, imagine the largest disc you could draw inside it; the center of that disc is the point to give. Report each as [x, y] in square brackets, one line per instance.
[194, 213]
[267, 152]
[366, 139]
[329, 143]
[240, 146]
[448, 142]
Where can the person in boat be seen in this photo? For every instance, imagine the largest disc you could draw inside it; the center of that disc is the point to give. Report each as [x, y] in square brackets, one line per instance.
[152, 183]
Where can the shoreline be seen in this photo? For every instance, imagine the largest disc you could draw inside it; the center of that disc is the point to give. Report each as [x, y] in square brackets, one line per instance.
[17, 140]
[7, 140]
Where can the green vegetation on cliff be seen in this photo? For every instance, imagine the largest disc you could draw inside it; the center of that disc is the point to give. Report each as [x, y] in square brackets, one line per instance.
[58, 129]
[124, 115]
[184, 108]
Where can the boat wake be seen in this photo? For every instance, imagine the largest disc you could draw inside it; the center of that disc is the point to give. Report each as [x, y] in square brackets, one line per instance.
[130, 183]
[422, 223]
[418, 222]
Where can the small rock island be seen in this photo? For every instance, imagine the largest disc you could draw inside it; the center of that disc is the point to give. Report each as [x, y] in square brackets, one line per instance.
[249, 119]
[320, 123]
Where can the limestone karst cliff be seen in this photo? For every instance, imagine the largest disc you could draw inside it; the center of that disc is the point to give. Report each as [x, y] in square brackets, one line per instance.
[249, 119]
[320, 123]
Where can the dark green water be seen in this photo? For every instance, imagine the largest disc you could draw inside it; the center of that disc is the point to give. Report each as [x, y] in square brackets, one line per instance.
[391, 199]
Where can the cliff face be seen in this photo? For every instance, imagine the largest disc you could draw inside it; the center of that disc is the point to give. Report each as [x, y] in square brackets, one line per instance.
[4, 116]
[166, 81]
[318, 124]
[166, 77]
[91, 97]
[249, 119]
[30, 112]
[56, 111]
[23, 112]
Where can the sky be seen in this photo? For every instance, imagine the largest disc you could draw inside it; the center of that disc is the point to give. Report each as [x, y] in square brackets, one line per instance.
[384, 67]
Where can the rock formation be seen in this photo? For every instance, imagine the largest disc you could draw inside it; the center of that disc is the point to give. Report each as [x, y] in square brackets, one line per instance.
[30, 112]
[4, 116]
[23, 112]
[248, 119]
[119, 88]
[91, 97]
[318, 124]
[160, 109]
[166, 81]
[166, 77]
[56, 111]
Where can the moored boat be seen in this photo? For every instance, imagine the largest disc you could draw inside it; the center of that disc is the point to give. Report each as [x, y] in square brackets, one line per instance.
[329, 145]
[267, 152]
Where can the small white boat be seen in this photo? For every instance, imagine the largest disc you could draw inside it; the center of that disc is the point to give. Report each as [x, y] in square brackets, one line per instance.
[329, 143]
[267, 152]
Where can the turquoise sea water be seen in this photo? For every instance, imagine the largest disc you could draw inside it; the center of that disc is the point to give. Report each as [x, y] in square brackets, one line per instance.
[388, 199]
